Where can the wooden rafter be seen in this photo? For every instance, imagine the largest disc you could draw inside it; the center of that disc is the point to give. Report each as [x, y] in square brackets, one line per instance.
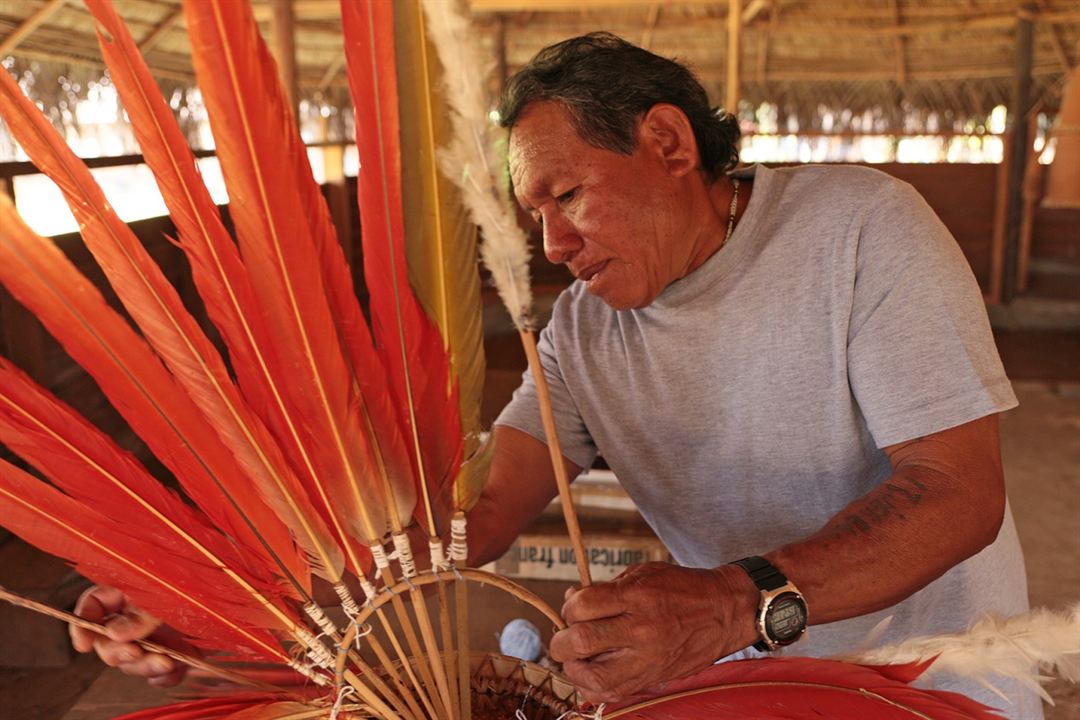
[754, 8]
[29, 25]
[159, 30]
[331, 72]
[1055, 40]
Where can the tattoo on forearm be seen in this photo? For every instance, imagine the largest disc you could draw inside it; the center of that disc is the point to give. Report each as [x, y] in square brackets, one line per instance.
[890, 502]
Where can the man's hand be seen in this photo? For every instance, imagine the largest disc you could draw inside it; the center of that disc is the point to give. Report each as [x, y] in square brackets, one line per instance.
[126, 624]
[654, 623]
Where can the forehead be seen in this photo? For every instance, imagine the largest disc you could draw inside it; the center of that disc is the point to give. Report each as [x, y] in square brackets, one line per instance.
[542, 141]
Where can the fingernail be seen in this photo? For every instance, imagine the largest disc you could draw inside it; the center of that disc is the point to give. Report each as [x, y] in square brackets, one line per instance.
[160, 665]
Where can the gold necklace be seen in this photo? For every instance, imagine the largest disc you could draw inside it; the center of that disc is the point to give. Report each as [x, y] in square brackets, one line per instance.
[731, 216]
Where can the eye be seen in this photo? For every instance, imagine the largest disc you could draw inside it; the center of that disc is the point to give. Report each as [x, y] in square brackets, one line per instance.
[567, 196]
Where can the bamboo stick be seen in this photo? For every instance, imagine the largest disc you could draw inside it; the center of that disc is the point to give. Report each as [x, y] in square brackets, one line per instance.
[547, 414]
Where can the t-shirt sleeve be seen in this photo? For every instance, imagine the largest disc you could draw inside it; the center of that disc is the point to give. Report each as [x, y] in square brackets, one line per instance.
[921, 356]
[523, 411]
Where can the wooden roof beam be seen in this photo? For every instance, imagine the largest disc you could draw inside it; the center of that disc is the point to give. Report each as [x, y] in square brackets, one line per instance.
[159, 30]
[28, 26]
[754, 8]
[1055, 40]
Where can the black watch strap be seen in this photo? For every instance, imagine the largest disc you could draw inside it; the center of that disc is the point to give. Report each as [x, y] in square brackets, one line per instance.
[762, 572]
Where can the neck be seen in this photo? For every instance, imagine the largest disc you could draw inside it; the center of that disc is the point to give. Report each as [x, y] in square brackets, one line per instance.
[715, 213]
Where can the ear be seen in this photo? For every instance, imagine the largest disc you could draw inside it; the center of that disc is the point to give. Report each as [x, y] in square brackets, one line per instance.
[665, 131]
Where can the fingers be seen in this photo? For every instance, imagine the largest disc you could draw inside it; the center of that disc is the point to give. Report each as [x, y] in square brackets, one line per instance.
[124, 625]
[108, 606]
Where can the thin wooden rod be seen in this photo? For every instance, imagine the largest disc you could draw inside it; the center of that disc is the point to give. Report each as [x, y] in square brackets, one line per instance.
[547, 416]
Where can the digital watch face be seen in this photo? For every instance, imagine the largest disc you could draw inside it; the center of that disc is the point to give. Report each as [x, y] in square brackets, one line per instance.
[786, 618]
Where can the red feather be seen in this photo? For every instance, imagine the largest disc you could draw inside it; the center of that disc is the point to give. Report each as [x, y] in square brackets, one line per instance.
[409, 342]
[194, 598]
[132, 377]
[796, 688]
[87, 465]
[258, 148]
[225, 286]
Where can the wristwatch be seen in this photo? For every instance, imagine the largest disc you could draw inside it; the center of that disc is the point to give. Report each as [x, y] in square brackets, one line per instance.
[782, 613]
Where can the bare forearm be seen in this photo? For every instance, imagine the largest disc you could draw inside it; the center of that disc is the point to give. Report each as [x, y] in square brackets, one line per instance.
[933, 513]
[520, 485]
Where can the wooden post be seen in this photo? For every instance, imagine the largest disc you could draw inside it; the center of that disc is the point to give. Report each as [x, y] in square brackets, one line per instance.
[283, 46]
[734, 45]
[1018, 124]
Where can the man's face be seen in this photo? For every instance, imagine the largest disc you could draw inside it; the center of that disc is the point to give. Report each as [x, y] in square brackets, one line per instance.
[610, 218]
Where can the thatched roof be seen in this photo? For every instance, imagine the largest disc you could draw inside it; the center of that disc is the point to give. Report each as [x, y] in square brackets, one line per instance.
[897, 60]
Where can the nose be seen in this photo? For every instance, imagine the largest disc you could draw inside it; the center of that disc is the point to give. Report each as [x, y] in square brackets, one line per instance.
[561, 240]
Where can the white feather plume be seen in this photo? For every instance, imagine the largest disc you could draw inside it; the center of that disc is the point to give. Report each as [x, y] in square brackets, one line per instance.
[473, 160]
[1026, 648]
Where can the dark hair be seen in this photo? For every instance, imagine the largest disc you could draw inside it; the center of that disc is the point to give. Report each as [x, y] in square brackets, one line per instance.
[607, 84]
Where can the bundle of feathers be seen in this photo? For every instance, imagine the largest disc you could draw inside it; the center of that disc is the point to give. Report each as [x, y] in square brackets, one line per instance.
[320, 439]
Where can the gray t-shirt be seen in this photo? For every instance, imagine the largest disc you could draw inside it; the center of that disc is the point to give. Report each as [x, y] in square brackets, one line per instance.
[749, 403]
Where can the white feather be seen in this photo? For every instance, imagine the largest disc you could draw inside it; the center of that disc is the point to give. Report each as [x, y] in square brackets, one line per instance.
[1025, 648]
[473, 161]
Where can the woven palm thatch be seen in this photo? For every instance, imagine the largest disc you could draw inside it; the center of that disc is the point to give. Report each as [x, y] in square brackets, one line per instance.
[901, 65]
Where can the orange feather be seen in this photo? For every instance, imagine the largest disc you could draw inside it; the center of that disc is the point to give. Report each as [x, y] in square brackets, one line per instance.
[133, 379]
[222, 279]
[257, 145]
[409, 342]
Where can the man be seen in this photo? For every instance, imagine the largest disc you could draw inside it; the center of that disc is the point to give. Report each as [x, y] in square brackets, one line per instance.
[789, 365]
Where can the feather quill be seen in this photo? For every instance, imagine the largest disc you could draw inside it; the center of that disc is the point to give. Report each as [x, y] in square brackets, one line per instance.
[222, 279]
[1016, 647]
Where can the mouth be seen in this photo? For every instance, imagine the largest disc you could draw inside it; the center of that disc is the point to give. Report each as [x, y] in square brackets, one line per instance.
[587, 274]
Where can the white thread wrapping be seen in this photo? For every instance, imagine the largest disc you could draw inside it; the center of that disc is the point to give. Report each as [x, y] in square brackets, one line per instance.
[438, 557]
[310, 674]
[369, 589]
[403, 551]
[459, 548]
[316, 613]
[348, 603]
[315, 649]
[378, 552]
